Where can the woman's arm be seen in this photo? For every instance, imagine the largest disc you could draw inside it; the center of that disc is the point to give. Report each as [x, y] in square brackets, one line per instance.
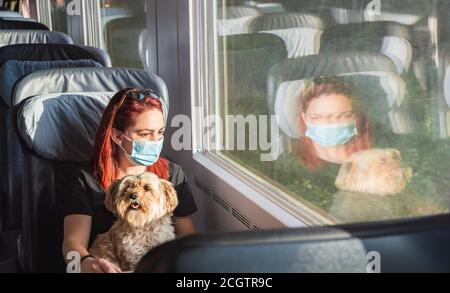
[184, 226]
[77, 229]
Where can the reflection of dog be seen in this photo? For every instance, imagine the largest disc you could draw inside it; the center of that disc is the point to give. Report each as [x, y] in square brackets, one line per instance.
[143, 205]
[374, 171]
[367, 183]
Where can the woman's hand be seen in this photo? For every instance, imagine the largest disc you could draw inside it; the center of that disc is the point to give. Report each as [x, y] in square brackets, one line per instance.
[92, 265]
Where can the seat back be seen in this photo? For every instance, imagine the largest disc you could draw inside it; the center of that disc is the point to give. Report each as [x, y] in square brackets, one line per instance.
[51, 52]
[301, 32]
[248, 57]
[389, 38]
[122, 35]
[144, 50]
[99, 55]
[10, 161]
[58, 128]
[11, 37]
[234, 20]
[12, 24]
[340, 249]
[24, 60]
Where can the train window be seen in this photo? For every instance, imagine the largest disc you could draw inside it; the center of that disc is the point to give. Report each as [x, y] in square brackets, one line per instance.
[341, 107]
[124, 24]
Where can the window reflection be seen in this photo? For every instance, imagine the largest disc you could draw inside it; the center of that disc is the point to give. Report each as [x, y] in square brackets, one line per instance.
[361, 104]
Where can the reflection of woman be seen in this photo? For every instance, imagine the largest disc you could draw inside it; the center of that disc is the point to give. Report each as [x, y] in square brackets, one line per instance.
[331, 124]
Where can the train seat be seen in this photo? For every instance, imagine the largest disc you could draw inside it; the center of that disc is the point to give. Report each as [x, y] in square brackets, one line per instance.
[64, 96]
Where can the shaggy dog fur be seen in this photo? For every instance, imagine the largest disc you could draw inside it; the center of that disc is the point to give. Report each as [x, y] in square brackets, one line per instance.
[143, 205]
[371, 186]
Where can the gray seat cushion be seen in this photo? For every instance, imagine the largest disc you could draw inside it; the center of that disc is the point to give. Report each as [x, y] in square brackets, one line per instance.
[13, 70]
[80, 80]
[62, 127]
[300, 31]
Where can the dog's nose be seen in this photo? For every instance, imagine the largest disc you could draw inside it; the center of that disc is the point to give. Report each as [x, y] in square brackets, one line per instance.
[133, 196]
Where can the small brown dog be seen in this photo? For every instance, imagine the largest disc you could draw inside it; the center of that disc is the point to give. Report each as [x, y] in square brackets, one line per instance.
[144, 206]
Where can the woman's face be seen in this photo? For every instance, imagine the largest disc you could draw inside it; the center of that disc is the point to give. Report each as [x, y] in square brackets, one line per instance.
[329, 109]
[149, 126]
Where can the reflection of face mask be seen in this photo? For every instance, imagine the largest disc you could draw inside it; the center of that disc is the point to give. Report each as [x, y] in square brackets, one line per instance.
[330, 135]
[145, 153]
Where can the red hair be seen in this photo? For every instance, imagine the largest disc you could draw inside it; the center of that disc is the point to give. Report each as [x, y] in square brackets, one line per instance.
[120, 114]
[316, 89]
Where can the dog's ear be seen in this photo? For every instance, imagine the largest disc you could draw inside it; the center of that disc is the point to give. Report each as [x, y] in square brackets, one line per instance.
[115, 190]
[347, 175]
[171, 198]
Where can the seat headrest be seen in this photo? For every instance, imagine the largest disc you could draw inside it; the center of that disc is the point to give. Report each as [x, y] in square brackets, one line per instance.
[10, 24]
[391, 39]
[10, 37]
[236, 12]
[378, 29]
[288, 80]
[81, 80]
[62, 127]
[346, 15]
[278, 21]
[235, 20]
[50, 52]
[13, 70]
[300, 32]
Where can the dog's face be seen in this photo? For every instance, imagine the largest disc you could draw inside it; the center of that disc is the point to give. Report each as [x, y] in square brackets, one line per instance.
[140, 200]
[375, 171]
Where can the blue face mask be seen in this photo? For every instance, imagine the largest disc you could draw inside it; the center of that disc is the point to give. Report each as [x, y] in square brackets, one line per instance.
[330, 135]
[145, 153]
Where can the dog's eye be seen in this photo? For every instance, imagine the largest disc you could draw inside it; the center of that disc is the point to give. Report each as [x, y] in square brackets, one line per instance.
[147, 187]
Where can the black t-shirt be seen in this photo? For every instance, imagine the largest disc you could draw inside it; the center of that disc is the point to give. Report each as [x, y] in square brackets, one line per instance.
[85, 196]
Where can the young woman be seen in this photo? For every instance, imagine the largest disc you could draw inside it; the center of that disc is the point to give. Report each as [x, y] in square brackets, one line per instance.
[129, 141]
